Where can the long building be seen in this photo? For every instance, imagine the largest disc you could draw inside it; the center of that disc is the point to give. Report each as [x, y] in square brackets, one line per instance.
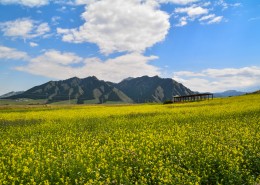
[193, 97]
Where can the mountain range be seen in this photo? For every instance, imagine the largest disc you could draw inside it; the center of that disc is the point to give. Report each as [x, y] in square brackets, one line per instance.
[229, 93]
[12, 93]
[131, 90]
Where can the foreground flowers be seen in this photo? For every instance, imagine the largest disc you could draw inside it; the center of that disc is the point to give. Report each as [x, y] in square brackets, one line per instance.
[211, 142]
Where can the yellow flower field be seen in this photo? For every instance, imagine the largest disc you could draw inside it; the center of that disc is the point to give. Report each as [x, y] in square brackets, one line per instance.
[208, 142]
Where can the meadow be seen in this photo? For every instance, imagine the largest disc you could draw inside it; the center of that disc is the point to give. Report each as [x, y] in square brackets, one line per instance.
[207, 142]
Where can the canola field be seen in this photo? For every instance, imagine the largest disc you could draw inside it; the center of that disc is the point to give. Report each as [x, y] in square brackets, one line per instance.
[208, 142]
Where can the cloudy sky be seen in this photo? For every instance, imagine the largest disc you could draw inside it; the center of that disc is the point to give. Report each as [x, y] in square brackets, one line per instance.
[208, 45]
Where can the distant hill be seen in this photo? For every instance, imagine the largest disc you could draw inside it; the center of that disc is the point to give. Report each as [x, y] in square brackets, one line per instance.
[11, 94]
[229, 93]
[131, 90]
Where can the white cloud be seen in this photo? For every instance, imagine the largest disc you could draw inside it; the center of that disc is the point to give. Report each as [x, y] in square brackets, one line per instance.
[55, 20]
[182, 22]
[11, 53]
[29, 3]
[180, 2]
[226, 5]
[197, 13]
[215, 20]
[211, 19]
[236, 4]
[188, 74]
[206, 3]
[55, 64]
[223, 4]
[33, 44]
[57, 57]
[119, 68]
[62, 9]
[81, 2]
[118, 26]
[41, 29]
[207, 17]
[192, 11]
[24, 28]
[216, 80]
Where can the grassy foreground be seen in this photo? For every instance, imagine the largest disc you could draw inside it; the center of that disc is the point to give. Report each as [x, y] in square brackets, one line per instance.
[210, 142]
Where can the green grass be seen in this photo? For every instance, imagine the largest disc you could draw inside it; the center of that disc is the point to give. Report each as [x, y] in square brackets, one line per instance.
[208, 142]
[23, 101]
[66, 102]
[94, 101]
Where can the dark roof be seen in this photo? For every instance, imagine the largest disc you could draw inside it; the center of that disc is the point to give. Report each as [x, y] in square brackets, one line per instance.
[194, 95]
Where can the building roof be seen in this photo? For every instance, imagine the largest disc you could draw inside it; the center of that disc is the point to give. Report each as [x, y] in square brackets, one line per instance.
[193, 95]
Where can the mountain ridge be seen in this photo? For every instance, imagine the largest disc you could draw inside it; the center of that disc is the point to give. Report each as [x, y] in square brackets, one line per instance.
[131, 90]
[229, 93]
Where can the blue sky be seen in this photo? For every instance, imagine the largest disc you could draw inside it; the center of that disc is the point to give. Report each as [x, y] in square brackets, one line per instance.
[206, 45]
